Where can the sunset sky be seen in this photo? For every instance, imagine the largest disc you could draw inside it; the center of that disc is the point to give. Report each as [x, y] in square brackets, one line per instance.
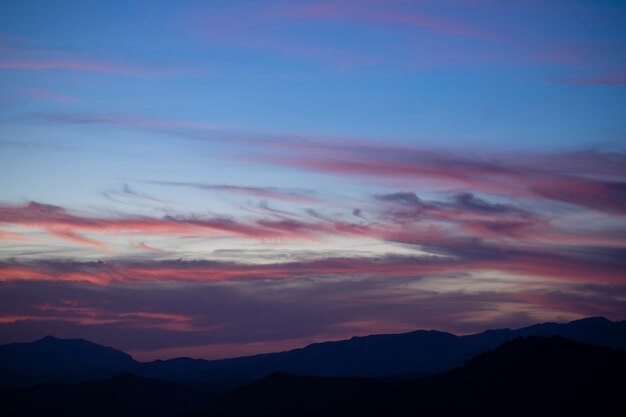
[219, 178]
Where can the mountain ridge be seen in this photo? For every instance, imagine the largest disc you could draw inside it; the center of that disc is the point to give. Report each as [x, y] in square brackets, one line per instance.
[536, 376]
[532, 375]
[418, 352]
[51, 355]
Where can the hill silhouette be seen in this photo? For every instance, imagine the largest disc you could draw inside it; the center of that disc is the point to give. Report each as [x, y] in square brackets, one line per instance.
[408, 355]
[534, 376]
[53, 356]
[419, 352]
[527, 376]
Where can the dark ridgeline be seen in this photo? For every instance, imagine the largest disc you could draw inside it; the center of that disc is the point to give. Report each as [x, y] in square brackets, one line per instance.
[528, 376]
[415, 353]
[532, 376]
[51, 355]
[59, 360]
[420, 352]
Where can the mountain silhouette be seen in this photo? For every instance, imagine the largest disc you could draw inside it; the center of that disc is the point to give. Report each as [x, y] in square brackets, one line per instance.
[52, 356]
[419, 352]
[535, 376]
[532, 376]
[410, 354]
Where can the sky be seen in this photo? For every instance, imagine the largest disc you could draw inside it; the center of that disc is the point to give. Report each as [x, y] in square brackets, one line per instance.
[222, 178]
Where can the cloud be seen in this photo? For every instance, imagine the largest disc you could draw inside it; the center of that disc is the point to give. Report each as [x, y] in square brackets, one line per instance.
[4, 235]
[77, 65]
[129, 196]
[450, 255]
[471, 203]
[463, 231]
[145, 246]
[43, 94]
[274, 193]
[608, 196]
[477, 216]
[405, 198]
[62, 223]
[134, 122]
[585, 303]
[204, 317]
[588, 179]
[76, 238]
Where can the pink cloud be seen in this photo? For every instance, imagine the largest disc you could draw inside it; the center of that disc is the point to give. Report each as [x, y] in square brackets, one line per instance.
[588, 179]
[75, 237]
[457, 254]
[41, 93]
[4, 235]
[581, 304]
[62, 223]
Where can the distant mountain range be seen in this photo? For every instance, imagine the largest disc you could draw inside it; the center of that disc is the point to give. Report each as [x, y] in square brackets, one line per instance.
[411, 354]
[533, 376]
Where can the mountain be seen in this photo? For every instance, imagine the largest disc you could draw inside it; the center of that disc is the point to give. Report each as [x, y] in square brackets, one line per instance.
[52, 356]
[411, 354]
[527, 376]
[364, 356]
[419, 352]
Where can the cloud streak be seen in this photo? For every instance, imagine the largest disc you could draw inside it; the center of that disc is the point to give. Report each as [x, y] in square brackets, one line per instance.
[272, 193]
[588, 179]
[599, 265]
[203, 318]
[57, 220]
[78, 65]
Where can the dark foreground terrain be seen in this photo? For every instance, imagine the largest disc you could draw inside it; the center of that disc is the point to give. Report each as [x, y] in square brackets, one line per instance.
[526, 376]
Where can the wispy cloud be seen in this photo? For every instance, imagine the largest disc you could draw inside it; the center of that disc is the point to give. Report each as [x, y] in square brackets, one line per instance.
[588, 179]
[273, 193]
[4, 235]
[477, 216]
[58, 221]
[44, 94]
[320, 307]
[28, 55]
[79, 65]
[129, 196]
[133, 122]
[456, 255]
